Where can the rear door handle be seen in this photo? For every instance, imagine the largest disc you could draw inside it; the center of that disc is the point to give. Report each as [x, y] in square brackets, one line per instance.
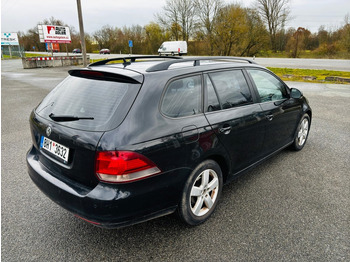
[225, 130]
[269, 117]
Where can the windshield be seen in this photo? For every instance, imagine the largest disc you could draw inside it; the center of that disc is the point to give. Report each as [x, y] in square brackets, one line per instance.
[104, 104]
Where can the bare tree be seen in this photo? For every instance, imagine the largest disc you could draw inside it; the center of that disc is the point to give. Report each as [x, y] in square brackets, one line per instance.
[179, 17]
[297, 42]
[275, 14]
[209, 9]
[231, 29]
[154, 37]
[105, 37]
[346, 34]
[257, 37]
[170, 18]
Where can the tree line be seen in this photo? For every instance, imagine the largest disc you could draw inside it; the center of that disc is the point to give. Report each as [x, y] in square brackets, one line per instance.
[212, 27]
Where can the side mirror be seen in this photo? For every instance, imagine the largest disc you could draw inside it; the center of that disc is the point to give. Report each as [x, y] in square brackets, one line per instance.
[295, 93]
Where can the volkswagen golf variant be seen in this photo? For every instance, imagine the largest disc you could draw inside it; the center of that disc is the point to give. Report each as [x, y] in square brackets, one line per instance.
[129, 139]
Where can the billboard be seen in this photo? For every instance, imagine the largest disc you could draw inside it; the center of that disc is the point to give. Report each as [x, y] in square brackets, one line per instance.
[9, 39]
[54, 34]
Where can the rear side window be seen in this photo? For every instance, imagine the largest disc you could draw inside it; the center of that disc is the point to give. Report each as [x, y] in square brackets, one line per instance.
[269, 87]
[213, 101]
[106, 102]
[183, 97]
[231, 88]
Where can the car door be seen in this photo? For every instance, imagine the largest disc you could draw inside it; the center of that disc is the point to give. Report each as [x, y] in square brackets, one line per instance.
[281, 112]
[191, 135]
[234, 117]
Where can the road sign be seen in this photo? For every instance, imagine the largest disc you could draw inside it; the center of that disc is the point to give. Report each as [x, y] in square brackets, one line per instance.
[130, 43]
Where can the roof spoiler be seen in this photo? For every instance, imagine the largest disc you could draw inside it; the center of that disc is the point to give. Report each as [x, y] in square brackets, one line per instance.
[106, 76]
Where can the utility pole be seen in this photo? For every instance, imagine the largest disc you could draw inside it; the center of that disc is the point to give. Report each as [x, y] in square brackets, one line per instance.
[82, 36]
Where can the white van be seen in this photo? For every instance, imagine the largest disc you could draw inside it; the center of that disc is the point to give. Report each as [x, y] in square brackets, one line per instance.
[173, 48]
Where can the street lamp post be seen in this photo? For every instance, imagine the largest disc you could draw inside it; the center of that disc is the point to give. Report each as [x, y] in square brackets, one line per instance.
[82, 36]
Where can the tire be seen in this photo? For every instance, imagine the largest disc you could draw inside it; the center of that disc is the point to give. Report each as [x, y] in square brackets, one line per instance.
[302, 133]
[172, 54]
[201, 193]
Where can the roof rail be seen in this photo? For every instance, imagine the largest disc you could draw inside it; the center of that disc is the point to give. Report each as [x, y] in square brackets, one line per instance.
[196, 62]
[131, 59]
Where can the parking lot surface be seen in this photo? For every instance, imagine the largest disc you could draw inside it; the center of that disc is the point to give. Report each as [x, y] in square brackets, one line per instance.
[293, 207]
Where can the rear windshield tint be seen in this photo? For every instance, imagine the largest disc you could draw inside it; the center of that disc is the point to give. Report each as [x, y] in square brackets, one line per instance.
[105, 101]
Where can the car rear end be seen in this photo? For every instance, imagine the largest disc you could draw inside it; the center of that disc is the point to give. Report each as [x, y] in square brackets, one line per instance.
[65, 160]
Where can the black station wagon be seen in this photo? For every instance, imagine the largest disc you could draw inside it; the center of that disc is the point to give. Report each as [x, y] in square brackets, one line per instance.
[130, 139]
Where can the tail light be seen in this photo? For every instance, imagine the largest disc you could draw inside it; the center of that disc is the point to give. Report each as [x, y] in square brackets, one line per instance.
[123, 166]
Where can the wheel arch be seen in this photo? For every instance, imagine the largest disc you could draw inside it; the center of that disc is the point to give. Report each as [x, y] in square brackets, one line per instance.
[222, 162]
[310, 114]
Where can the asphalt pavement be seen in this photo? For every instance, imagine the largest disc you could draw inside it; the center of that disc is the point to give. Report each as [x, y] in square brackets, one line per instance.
[293, 207]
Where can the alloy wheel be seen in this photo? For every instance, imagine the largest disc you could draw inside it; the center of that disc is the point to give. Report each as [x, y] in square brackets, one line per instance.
[204, 192]
[303, 131]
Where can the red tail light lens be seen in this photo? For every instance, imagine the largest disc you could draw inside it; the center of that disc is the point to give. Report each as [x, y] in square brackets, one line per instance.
[123, 166]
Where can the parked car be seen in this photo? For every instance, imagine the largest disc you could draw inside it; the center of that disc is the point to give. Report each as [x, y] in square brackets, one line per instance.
[76, 51]
[105, 51]
[121, 143]
[173, 48]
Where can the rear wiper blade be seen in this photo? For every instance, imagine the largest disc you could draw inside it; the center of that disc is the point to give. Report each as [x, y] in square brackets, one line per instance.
[66, 118]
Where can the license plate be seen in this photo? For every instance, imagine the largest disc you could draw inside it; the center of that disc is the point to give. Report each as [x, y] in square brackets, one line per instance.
[54, 148]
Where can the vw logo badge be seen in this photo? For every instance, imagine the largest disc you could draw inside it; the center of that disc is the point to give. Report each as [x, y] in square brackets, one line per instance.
[48, 131]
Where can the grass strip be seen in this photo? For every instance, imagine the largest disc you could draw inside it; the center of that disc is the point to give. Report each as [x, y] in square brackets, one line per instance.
[26, 55]
[309, 75]
[36, 55]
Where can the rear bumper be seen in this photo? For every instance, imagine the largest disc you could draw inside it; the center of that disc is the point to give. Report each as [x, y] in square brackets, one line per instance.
[111, 205]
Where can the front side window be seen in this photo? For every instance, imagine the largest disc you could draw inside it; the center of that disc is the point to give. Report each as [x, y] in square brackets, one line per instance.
[232, 88]
[269, 87]
[183, 97]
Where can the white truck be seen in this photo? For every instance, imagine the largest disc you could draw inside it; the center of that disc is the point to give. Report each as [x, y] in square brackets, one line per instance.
[173, 48]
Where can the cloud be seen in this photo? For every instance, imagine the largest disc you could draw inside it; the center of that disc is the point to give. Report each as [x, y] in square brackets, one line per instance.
[21, 15]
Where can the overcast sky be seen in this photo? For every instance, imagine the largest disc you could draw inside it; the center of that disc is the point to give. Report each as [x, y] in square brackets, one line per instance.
[21, 15]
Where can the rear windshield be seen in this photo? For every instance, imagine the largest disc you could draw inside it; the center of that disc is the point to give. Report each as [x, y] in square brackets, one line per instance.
[106, 102]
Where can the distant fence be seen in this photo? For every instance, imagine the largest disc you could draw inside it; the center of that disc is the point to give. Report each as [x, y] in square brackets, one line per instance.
[12, 51]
